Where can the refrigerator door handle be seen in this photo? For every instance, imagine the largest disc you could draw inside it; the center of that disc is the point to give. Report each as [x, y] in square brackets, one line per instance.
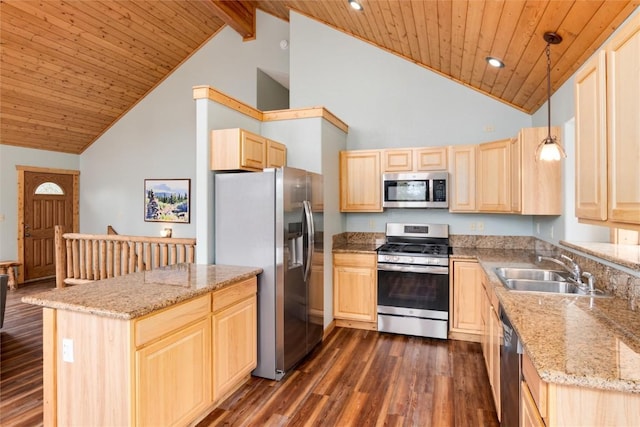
[308, 216]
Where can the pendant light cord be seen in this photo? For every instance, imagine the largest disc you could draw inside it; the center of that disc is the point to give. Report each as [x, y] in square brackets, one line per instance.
[548, 91]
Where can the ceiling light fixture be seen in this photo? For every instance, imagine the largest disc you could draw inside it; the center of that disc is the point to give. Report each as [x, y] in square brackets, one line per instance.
[494, 62]
[549, 149]
[355, 4]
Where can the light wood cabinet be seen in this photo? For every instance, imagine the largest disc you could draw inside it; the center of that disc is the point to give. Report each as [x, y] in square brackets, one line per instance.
[360, 181]
[166, 368]
[493, 176]
[173, 377]
[397, 160]
[536, 186]
[607, 111]
[430, 158]
[529, 415]
[466, 300]
[414, 159]
[235, 338]
[276, 154]
[238, 149]
[491, 339]
[355, 290]
[462, 178]
[560, 405]
[591, 140]
[511, 180]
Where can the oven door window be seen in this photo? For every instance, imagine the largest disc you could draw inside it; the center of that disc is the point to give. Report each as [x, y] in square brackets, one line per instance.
[413, 290]
[406, 191]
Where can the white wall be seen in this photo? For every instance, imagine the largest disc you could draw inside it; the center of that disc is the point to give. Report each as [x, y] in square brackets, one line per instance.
[10, 157]
[391, 102]
[157, 138]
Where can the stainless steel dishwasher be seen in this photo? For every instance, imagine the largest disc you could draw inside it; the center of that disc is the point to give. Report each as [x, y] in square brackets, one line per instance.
[510, 373]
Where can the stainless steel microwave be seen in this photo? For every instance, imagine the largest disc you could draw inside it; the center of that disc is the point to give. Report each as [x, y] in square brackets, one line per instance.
[415, 190]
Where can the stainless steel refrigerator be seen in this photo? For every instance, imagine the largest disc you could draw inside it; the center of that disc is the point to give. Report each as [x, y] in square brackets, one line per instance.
[267, 219]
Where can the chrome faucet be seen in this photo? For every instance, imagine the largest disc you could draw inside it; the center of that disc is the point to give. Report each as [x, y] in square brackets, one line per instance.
[572, 268]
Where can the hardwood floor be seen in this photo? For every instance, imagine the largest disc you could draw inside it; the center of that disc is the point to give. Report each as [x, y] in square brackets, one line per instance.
[21, 358]
[356, 377]
[365, 378]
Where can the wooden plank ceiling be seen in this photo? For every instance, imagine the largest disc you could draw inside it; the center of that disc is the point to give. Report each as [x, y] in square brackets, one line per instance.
[71, 68]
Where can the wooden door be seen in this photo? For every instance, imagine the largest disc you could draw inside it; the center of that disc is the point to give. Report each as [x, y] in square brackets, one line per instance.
[48, 201]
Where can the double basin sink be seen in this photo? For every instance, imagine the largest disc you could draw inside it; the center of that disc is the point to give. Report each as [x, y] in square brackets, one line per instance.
[540, 280]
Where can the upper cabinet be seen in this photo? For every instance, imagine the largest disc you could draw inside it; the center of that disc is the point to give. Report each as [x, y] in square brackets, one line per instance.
[238, 149]
[507, 177]
[360, 181]
[535, 185]
[462, 178]
[493, 176]
[607, 96]
[414, 159]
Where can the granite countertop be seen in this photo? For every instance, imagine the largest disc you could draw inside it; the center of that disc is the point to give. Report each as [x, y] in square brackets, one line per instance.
[134, 295]
[572, 340]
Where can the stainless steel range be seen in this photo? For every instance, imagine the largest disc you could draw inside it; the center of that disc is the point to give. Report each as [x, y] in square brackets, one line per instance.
[413, 280]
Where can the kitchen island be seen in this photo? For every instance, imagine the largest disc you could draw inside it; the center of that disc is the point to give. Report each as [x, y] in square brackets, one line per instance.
[159, 347]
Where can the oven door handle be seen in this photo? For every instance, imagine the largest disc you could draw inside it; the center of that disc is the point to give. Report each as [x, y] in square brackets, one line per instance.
[403, 268]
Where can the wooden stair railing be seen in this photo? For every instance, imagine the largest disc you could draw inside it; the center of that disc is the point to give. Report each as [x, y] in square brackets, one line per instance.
[83, 258]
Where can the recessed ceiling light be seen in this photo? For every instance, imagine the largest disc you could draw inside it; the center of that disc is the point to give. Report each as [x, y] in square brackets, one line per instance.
[355, 4]
[494, 62]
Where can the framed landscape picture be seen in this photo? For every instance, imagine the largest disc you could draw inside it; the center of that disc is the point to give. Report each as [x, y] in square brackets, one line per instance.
[167, 200]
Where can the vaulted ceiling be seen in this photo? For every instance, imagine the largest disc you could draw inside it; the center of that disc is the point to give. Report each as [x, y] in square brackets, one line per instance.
[71, 68]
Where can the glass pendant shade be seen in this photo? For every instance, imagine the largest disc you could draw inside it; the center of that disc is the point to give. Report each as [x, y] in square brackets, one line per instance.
[550, 150]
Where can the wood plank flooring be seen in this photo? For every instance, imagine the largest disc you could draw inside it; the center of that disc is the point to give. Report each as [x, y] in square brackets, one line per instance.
[355, 378]
[365, 378]
[21, 358]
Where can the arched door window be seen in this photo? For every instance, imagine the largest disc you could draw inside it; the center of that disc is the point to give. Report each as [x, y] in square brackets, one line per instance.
[49, 188]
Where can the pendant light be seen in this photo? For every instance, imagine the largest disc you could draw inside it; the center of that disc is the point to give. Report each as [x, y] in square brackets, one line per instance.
[549, 149]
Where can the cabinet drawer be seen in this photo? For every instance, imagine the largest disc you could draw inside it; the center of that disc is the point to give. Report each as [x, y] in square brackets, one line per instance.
[537, 387]
[159, 324]
[355, 260]
[234, 293]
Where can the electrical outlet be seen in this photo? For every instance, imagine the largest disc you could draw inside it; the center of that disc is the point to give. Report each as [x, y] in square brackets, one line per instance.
[67, 350]
[372, 224]
[481, 226]
[551, 232]
[537, 228]
[472, 226]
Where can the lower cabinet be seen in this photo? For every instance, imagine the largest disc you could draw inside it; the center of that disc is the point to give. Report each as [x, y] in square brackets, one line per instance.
[529, 415]
[355, 290]
[466, 294]
[552, 404]
[491, 339]
[234, 345]
[173, 377]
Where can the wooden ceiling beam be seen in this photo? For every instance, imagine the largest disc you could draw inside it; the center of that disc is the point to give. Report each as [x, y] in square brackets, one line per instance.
[239, 15]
